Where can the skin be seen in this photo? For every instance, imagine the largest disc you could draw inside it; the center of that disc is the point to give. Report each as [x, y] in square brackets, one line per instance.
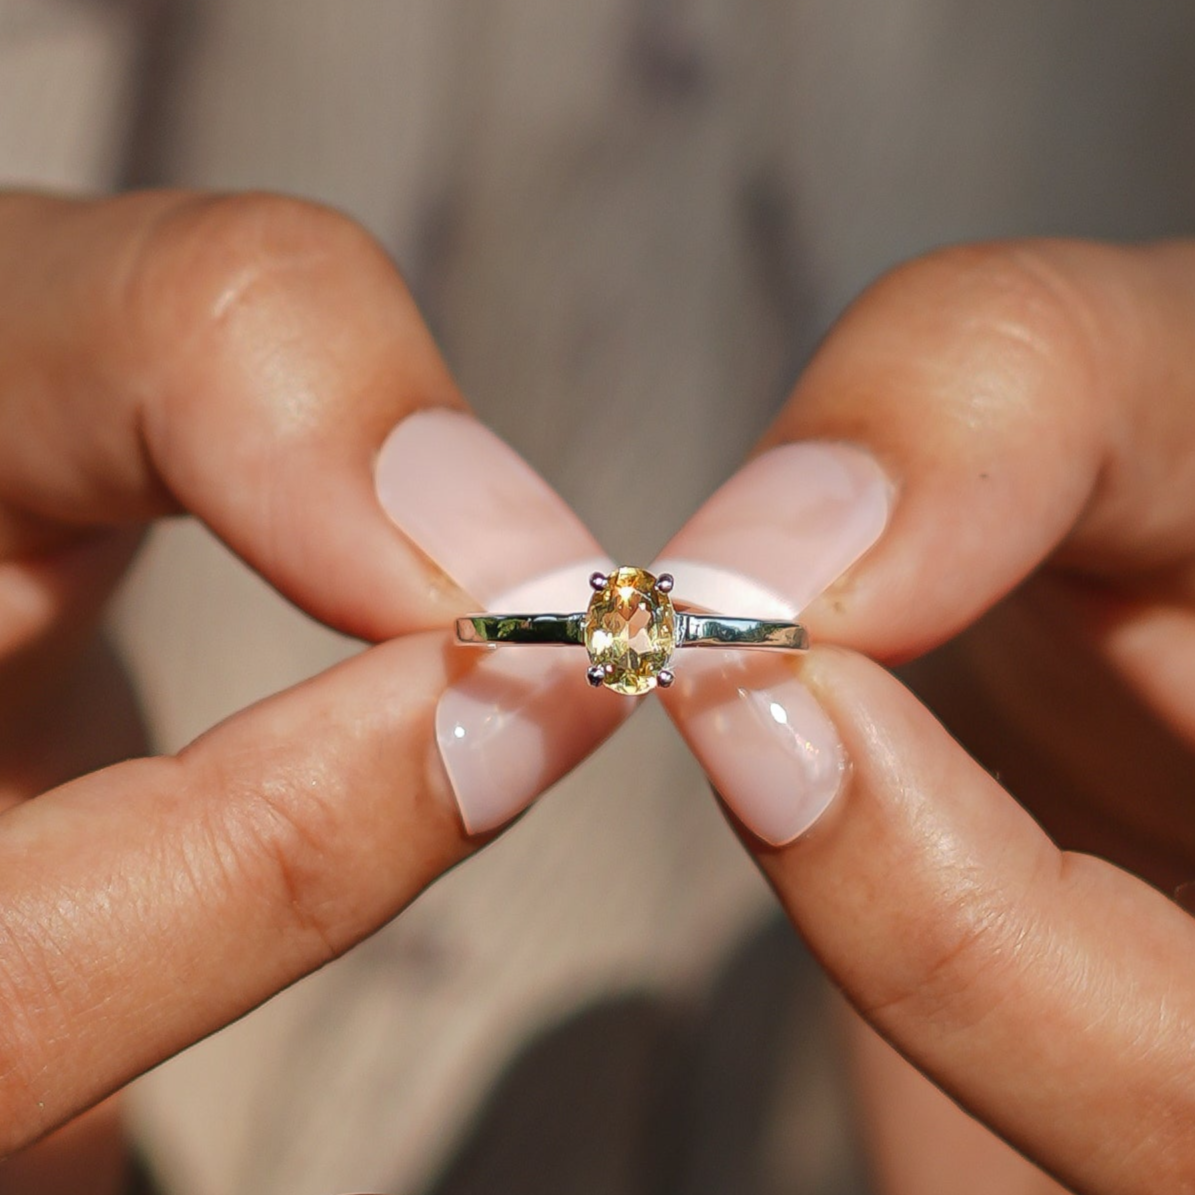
[1034, 406]
[1042, 395]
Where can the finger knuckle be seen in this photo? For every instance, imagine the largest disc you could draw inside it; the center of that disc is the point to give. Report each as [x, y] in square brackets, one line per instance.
[955, 971]
[259, 233]
[210, 263]
[273, 848]
[1023, 289]
[1008, 319]
[254, 301]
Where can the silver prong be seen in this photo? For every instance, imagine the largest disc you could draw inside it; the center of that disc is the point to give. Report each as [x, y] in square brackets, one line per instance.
[664, 678]
[595, 675]
[664, 582]
[598, 581]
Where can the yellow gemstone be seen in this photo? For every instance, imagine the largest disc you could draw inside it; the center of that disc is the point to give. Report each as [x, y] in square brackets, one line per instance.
[630, 630]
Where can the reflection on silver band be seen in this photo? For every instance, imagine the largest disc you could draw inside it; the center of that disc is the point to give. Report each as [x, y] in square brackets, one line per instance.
[692, 630]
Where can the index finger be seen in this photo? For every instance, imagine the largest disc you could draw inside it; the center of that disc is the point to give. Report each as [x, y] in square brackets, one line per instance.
[148, 904]
[973, 416]
[1017, 398]
[246, 359]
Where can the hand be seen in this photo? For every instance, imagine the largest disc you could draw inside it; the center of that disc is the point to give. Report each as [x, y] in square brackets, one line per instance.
[244, 360]
[1033, 407]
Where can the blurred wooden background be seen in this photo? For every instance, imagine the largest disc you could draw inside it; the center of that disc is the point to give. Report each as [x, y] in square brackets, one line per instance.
[638, 213]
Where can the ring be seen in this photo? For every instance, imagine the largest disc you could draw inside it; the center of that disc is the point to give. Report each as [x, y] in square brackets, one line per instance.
[631, 629]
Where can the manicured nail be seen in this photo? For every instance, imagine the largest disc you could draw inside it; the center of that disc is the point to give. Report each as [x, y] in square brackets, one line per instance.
[764, 742]
[765, 545]
[472, 505]
[520, 719]
[781, 530]
[512, 726]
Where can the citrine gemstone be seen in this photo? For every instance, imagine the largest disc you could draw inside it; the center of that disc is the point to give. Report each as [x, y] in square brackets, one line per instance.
[630, 631]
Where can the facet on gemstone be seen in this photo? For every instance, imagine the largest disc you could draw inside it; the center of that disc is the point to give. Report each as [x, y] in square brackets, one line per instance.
[630, 630]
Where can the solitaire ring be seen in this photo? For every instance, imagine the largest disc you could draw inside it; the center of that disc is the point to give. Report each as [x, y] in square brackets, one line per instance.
[630, 629]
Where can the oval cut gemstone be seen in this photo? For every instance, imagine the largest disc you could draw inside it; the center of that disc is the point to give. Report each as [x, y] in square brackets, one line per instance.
[630, 630]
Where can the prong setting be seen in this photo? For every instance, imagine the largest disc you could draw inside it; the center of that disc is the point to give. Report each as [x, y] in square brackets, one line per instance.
[629, 630]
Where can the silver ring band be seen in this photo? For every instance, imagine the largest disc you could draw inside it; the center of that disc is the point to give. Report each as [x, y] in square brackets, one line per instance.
[692, 630]
[631, 630]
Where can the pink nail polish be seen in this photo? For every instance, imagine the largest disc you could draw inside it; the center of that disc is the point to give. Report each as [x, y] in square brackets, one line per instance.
[515, 724]
[765, 545]
[764, 742]
[523, 716]
[519, 718]
[781, 530]
[471, 504]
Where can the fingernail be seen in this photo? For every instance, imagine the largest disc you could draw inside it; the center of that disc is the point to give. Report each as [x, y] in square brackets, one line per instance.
[520, 719]
[781, 530]
[768, 748]
[765, 546]
[471, 504]
[514, 725]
